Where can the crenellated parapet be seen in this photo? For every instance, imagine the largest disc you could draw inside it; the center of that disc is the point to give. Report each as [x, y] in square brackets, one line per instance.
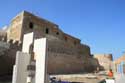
[14, 42]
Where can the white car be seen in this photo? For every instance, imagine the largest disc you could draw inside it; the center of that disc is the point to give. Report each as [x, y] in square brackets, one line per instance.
[110, 81]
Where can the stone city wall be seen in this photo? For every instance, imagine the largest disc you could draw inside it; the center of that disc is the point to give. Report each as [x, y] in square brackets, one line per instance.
[14, 29]
[63, 63]
[64, 58]
[43, 28]
[66, 53]
[105, 61]
[7, 59]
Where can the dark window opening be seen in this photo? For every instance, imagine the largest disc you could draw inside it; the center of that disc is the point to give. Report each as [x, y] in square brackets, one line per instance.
[65, 38]
[75, 43]
[57, 33]
[47, 30]
[31, 25]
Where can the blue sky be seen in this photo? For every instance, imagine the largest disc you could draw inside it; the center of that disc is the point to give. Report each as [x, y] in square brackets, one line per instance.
[98, 23]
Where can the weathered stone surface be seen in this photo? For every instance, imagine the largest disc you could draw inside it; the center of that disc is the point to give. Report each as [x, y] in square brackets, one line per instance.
[105, 61]
[66, 53]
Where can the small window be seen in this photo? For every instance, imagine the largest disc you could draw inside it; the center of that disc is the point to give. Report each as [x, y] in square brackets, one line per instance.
[31, 25]
[47, 30]
[65, 38]
[57, 33]
[75, 43]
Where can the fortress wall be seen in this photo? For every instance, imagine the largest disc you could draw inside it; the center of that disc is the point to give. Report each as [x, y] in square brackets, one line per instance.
[7, 59]
[105, 60]
[14, 31]
[40, 26]
[58, 46]
[63, 63]
[64, 58]
[66, 53]
[26, 22]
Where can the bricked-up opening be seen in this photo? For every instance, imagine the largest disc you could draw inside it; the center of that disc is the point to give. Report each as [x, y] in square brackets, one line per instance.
[47, 30]
[31, 25]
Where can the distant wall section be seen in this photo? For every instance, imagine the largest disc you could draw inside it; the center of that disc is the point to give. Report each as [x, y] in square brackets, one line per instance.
[105, 61]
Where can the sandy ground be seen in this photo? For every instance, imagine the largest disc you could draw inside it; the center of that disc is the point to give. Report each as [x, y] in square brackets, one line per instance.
[89, 77]
[82, 78]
